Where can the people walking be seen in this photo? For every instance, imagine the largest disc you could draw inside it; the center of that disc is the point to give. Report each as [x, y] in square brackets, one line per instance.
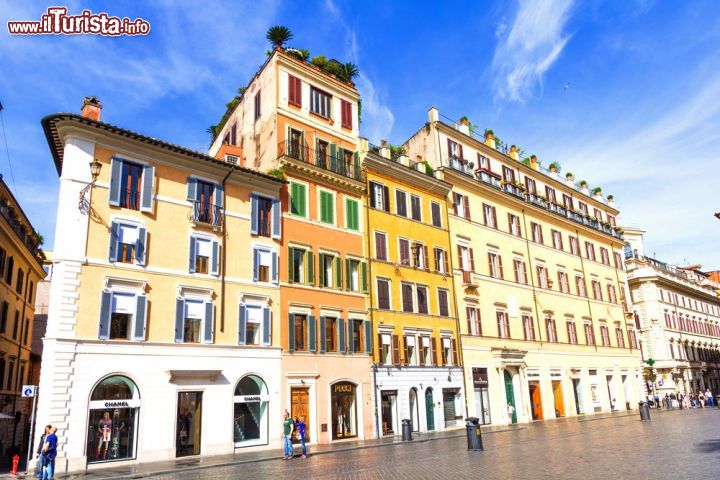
[701, 399]
[709, 398]
[300, 429]
[287, 436]
[40, 455]
[49, 452]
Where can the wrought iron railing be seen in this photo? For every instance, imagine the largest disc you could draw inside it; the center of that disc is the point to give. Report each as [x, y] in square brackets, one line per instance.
[207, 213]
[339, 162]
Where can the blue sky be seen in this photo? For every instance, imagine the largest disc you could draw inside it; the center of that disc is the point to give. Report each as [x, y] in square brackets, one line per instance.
[640, 118]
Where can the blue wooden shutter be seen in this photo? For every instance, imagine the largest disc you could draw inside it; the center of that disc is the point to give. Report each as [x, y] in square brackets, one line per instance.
[291, 332]
[242, 322]
[215, 260]
[114, 237]
[254, 214]
[256, 263]
[312, 335]
[276, 219]
[323, 338]
[368, 337]
[341, 335]
[192, 255]
[115, 180]
[105, 307]
[209, 322]
[266, 327]
[179, 319]
[219, 196]
[140, 252]
[192, 189]
[140, 318]
[274, 270]
[148, 181]
[351, 336]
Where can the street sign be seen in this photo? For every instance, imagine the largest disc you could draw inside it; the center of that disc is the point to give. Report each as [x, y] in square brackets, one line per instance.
[29, 390]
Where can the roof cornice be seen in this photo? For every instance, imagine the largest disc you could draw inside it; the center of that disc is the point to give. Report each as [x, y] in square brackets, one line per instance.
[381, 164]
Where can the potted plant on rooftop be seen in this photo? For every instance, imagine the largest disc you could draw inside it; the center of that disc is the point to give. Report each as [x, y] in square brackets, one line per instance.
[514, 152]
[597, 193]
[570, 179]
[534, 164]
[278, 36]
[554, 168]
[584, 187]
[490, 138]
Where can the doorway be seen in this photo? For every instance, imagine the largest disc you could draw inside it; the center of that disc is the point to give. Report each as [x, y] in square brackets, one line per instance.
[577, 392]
[536, 400]
[300, 407]
[482, 396]
[429, 409]
[510, 395]
[627, 391]
[189, 424]
[559, 400]
[388, 407]
[414, 413]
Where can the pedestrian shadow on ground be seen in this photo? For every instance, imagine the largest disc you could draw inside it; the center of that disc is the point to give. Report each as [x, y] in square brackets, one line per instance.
[710, 446]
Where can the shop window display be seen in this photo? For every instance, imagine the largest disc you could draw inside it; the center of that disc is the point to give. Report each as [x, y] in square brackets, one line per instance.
[112, 420]
[344, 410]
[250, 411]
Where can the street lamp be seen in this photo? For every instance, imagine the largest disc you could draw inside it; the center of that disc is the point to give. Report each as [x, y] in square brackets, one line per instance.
[95, 168]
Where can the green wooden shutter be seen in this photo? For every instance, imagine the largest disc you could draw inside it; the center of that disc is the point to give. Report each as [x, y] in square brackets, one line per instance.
[310, 269]
[348, 275]
[321, 269]
[291, 332]
[302, 211]
[363, 277]
[338, 273]
[291, 264]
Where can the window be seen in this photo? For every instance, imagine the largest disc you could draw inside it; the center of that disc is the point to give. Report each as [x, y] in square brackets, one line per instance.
[300, 332]
[542, 276]
[583, 207]
[537, 234]
[611, 220]
[495, 265]
[294, 91]
[204, 255]
[571, 332]
[327, 207]
[298, 199]
[385, 347]
[264, 216]
[383, 294]
[589, 334]
[404, 251]
[131, 176]
[443, 303]
[356, 275]
[530, 185]
[574, 246]
[436, 214]
[379, 197]
[425, 352]
[127, 243]
[461, 206]
[381, 246]
[503, 324]
[604, 256]
[19, 281]
[122, 316]
[520, 271]
[597, 290]
[415, 208]
[401, 203]
[131, 185]
[329, 271]
[3, 256]
[356, 327]
[301, 266]
[320, 102]
[557, 240]
[550, 194]
[612, 297]
[3, 319]
[16, 324]
[455, 150]
[620, 337]
[116, 427]
[331, 330]
[441, 260]
[346, 114]
[564, 282]
[567, 201]
[590, 251]
[483, 161]
[254, 325]
[514, 225]
[422, 299]
[449, 351]
[528, 327]
[466, 259]
[597, 213]
[419, 255]
[605, 335]
[580, 286]
[508, 174]
[551, 329]
[257, 105]
[473, 320]
[489, 216]
[409, 343]
[632, 339]
[192, 324]
[352, 214]
[407, 297]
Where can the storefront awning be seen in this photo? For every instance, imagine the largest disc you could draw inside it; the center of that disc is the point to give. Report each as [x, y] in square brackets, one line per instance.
[209, 375]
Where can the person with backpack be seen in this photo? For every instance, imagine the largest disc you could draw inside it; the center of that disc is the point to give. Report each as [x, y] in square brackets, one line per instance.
[50, 452]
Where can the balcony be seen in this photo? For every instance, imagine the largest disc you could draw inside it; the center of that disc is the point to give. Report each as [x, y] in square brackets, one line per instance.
[461, 165]
[26, 235]
[537, 200]
[346, 166]
[514, 190]
[467, 277]
[207, 214]
[487, 176]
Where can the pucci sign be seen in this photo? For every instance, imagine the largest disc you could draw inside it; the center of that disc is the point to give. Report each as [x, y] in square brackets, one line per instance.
[113, 404]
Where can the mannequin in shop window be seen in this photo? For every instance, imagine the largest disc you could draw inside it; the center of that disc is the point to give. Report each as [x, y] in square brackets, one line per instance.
[104, 434]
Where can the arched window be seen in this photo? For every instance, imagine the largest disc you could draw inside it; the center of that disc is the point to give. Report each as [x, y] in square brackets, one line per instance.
[112, 420]
[250, 414]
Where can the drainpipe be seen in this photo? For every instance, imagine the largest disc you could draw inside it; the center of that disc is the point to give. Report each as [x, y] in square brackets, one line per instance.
[223, 230]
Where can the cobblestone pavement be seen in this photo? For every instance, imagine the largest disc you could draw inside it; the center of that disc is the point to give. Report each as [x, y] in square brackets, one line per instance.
[674, 445]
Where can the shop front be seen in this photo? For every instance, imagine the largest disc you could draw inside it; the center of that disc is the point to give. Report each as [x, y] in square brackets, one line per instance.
[343, 400]
[389, 416]
[481, 395]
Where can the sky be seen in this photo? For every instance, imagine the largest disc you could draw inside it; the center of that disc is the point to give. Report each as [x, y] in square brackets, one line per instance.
[624, 94]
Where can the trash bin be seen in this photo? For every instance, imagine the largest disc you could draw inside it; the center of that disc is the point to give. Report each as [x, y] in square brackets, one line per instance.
[406, 429]
[474, 438]
[644, 411]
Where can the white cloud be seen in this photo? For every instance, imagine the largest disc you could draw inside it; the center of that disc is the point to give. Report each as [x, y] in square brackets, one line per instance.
[536, 38]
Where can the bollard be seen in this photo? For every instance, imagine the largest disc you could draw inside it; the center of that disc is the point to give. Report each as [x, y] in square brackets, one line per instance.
[474, 437]
[644, 411]
[406, 430]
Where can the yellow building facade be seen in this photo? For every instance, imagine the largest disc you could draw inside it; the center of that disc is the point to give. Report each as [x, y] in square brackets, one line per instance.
[20, 272]
[417, 361]
[539, 280]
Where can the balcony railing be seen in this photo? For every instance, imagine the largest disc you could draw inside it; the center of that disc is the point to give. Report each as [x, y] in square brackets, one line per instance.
[347, 166]
[514, 190]
[487, 176]
[537, 200]
[130, 198]
[461, 165]
[207, 213]
[31, 241]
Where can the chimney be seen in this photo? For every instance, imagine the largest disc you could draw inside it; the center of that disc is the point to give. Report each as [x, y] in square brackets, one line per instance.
[384, 152]
[91, 108]
[433, 115]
